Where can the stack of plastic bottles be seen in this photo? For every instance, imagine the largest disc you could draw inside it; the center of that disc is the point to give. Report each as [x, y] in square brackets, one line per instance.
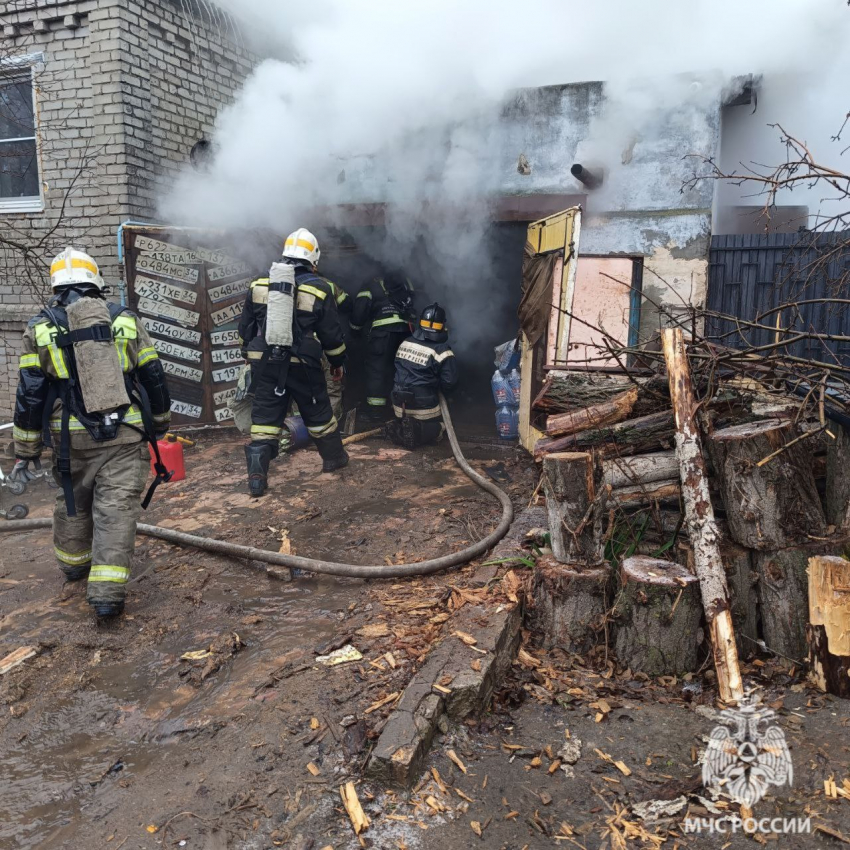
[505, 384]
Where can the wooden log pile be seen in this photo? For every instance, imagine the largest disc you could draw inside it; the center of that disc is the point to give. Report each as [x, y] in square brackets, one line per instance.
[686, 510]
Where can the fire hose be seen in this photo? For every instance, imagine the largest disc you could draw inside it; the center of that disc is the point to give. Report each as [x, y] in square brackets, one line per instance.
[277, 559]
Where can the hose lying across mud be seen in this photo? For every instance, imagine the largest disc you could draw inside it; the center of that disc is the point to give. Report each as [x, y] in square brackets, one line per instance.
[421, 568]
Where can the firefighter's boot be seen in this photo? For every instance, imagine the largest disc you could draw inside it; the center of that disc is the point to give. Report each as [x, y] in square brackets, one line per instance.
[334, 456]
[107, 610]
[76, 573]
[258, 456]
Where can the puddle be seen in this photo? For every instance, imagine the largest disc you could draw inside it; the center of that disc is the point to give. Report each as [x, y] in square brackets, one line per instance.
[132, 711]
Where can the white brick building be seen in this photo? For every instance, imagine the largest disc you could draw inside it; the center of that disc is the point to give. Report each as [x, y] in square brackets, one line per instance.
[101, 102]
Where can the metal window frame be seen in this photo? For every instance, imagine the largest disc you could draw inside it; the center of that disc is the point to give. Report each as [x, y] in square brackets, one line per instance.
[27, 63]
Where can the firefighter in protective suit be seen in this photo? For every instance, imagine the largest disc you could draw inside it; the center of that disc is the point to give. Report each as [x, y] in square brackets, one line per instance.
[90, 373]
[384, 309]
[289, 322]
[425, 366]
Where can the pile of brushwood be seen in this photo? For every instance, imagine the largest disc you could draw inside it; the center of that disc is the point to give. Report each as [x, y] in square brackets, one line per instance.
[688, 493]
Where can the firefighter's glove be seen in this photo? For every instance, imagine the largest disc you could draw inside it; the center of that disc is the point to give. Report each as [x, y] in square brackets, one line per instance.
[21, 470]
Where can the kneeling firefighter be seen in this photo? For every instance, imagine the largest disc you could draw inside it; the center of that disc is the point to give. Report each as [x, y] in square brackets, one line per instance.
[289, 321]
[90, 373]
[425, 366]
[384, 308]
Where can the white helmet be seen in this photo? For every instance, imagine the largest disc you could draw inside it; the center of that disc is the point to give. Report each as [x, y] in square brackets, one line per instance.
[73, 266]
[302, 245]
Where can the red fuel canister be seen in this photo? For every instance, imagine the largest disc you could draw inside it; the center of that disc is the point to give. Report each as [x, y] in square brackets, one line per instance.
[172, 458]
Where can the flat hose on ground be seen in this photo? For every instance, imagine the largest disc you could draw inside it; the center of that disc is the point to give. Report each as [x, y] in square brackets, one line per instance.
[421, 568]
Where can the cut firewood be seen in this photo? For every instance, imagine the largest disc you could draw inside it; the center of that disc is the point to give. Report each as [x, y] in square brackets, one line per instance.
[358, 817]
[640, 495]
[699, 514]
[382, 702]
[569, 604]
[314, 770]
[634, 436]
[643, 469]
[829, 624]
[774, 505]
[657, 613]
[838, 477]
[608, 412]
[575, 521]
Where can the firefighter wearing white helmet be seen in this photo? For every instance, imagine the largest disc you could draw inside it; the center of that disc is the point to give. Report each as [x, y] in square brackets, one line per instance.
[289, 323]
[73, 267]
[89, 372]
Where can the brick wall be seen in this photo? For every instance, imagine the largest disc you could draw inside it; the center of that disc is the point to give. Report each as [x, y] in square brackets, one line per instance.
[125, 90]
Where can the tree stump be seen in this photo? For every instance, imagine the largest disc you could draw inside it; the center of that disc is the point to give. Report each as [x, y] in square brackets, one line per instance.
[772, 506]
[783, 594]
[569, 604]
[658, 612]
[838, 477]
[575, 524]
[829, 624]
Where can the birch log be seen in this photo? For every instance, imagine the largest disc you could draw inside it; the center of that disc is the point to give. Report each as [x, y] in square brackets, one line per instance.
[699, 515]
[838, 477]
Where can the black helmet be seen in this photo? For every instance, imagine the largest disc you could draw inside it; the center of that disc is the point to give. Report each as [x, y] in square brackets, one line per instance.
[432, 324]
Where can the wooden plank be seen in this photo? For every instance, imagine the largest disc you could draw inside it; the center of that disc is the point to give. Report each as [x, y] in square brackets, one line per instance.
[16, 658]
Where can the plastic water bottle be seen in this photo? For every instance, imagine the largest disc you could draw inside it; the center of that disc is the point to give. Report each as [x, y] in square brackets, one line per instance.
[507, 422]
[502, 393]
[514, 381]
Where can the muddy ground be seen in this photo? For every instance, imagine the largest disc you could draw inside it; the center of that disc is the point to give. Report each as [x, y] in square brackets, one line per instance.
[109, 739]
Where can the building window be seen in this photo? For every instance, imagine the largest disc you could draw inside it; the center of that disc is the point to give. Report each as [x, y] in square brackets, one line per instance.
[20, 184]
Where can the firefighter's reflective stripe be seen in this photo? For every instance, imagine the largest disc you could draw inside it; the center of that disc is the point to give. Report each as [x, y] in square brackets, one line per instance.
[70, 559]
[376, 402]
[24, 436]
[132, 417]
[109, 572]
[29, 361]
[265, 431]
[162, 417]
[443, 356]
[333, 352]
[45, 335]
[121, 344]
[390, 320]
[312, 290]
[355, 327]
[255, 355]
[75, 263]
[324, 430]
[427, 413]
[364, 294]
[146, 355]
[260, 281]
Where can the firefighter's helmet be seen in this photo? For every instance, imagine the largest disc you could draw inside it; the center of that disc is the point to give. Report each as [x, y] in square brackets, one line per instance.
[302, 245]
[432, 324]
[73, 267]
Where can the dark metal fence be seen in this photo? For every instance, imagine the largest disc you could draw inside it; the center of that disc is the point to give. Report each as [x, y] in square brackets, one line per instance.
[806, 273]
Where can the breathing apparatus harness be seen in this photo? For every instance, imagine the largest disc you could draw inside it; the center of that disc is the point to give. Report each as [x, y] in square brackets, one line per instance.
[101, 428]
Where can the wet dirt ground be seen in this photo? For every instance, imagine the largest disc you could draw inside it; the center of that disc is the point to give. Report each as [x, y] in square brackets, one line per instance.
[109, 740]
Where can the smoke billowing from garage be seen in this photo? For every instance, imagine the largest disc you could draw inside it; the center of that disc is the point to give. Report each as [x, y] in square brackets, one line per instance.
[404, 103]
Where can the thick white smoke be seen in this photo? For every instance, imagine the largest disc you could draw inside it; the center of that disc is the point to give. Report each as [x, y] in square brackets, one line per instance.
[368, 104]
[376, 101]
